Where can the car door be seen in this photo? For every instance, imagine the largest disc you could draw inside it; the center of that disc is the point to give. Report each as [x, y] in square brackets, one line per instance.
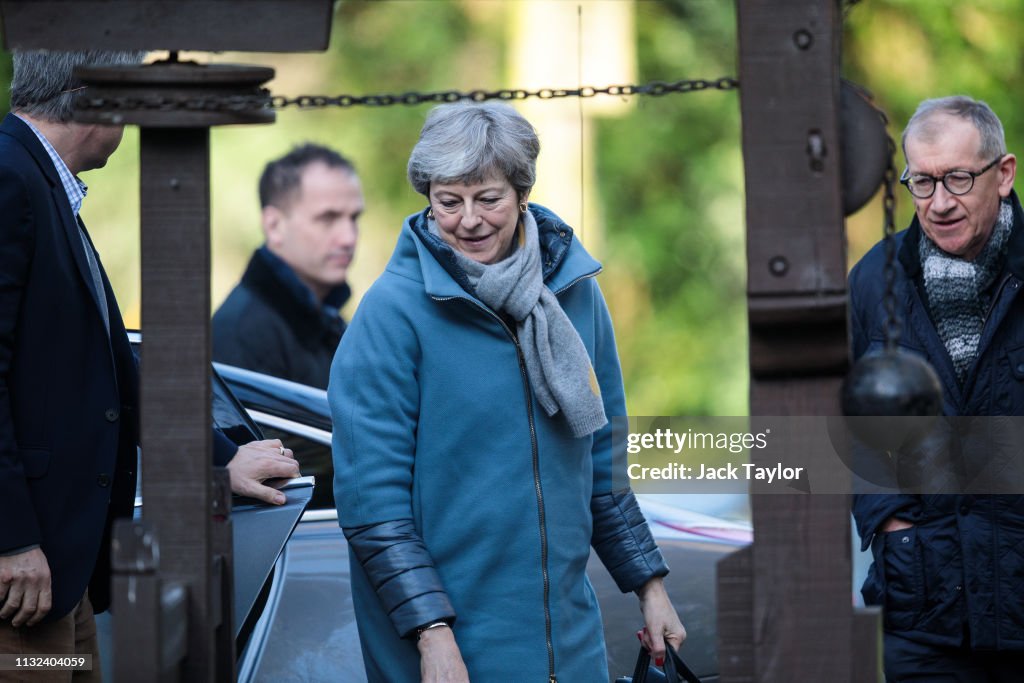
[259, 531]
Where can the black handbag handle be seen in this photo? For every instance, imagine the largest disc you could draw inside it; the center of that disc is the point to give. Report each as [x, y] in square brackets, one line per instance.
[643, 664]
[675, 668]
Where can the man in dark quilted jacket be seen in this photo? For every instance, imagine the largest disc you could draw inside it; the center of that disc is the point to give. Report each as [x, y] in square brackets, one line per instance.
[949, 567]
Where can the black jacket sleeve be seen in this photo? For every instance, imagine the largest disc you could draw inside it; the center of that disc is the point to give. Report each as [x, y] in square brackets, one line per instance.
[223, 448]
[623, 540]
[20, 527]
[403, 574]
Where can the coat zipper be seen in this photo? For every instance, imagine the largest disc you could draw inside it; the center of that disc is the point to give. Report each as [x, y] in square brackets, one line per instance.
[995, 299]
[988, 314]
[536, 465]
[538, 489]
[542, 517]
[585, 276]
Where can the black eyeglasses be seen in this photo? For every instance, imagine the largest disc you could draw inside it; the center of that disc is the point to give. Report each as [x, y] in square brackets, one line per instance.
[956, 182]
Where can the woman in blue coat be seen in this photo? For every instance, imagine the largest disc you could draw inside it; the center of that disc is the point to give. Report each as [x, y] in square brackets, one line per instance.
[472, 448]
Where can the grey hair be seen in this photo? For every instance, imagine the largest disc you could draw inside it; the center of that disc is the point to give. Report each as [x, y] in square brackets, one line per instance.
[44, 79]
[465, 142]
[993, 140]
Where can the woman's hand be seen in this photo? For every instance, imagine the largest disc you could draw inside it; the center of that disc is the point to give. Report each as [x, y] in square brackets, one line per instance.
[661, 623]
[440, 659]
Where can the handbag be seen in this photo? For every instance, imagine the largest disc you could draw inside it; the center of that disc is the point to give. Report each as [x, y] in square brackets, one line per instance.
[675, 669]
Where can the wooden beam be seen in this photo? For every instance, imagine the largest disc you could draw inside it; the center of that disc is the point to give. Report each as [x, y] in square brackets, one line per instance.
[867, 641]
[206, 25]
[801, 625]
[735, 614]
[176, 472]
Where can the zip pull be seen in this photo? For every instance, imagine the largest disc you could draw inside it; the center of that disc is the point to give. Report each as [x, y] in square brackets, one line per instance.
[552, 678]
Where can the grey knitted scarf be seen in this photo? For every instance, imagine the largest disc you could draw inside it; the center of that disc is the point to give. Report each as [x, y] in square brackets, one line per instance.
[956, 290]
[556, 359]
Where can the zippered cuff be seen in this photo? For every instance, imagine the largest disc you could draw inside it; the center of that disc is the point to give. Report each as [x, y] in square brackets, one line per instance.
[623, 540]
[402, 573]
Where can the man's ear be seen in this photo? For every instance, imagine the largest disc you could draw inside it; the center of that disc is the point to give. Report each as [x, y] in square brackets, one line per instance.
[1007, 173]
[273, 220]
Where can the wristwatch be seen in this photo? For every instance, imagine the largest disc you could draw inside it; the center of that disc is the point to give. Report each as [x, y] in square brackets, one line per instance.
[431, 625]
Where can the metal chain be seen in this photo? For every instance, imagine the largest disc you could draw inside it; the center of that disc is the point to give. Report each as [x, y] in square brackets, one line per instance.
[892, 324]
[264, 99]
[891, 327]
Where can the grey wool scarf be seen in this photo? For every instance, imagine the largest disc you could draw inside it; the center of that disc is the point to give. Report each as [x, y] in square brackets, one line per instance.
[956, 290]
[556, 360]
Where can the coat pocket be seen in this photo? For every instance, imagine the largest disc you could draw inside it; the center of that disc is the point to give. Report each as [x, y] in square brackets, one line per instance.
[34, 461]
[1008, 382]
[899, 560]
[1016, 359]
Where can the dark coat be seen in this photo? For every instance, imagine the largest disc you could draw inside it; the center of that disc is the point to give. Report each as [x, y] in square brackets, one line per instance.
[68, 391]
[271, 323]
[959, 572]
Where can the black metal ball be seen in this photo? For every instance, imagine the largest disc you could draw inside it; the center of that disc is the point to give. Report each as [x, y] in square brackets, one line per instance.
[892, 397]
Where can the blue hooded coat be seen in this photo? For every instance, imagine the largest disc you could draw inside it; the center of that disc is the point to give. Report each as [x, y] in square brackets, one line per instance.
[461, 498]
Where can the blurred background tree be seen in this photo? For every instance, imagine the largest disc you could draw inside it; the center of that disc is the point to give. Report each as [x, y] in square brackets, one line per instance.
[906, 51]
[658, 182]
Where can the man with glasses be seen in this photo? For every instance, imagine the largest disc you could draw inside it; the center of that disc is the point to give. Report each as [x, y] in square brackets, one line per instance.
[949, 569]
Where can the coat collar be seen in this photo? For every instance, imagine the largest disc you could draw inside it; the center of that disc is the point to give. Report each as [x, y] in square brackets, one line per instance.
[19, 130]
[72, 224]
[271, 273]
[565, 259]
[276, 284]
[909, 254]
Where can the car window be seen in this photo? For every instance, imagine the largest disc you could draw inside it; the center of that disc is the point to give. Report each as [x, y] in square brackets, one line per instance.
[229, 416]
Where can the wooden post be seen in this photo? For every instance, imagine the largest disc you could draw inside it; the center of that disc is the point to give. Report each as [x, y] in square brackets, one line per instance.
[176, 565]
[798, 624]
[176, 370]
[186, 507]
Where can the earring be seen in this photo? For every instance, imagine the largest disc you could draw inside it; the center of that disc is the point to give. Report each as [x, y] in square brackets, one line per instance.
[522, 207]
[430, 213]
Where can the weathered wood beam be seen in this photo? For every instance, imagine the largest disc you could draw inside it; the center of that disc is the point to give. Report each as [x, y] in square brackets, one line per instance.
[176, 472]
[800, 623]
[206, 25]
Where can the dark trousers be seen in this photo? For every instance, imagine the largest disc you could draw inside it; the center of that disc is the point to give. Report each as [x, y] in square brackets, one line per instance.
[909, 662]
[72, 634]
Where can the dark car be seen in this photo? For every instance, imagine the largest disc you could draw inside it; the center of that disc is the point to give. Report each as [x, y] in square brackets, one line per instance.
[259, 532]
[307, 629]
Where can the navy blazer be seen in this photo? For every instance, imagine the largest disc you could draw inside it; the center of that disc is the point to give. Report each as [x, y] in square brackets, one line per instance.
[68, 390]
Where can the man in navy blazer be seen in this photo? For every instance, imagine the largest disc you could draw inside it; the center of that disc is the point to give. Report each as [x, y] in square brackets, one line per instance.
[68, 377]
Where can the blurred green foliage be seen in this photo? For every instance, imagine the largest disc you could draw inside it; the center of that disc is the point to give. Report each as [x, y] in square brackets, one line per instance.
[905, 51]
[670, 183]
[669, 174]
[5, 79]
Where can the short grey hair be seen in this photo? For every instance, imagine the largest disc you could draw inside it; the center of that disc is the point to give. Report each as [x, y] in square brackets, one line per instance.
[44, 79]
[993, 140]
[465, 142]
